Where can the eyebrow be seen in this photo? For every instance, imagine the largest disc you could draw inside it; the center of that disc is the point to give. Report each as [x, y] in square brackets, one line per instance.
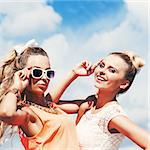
[109, 65]
[40, 67]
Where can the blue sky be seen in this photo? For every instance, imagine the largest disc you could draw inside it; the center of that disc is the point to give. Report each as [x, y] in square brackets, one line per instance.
[71, 31]
[75, 12]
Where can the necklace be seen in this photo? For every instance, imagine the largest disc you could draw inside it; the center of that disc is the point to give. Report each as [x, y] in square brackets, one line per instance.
[49, 109]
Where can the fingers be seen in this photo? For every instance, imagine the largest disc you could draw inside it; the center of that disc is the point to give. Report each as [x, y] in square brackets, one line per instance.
[85, 68]
[86, 64]
[91, 104]
[94, 66]
[52, 104]
[89, 67]
[24, 74]
[21, 79]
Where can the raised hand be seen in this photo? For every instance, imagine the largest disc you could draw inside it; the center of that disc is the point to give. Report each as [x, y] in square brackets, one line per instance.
[84, 68]
[21, 79]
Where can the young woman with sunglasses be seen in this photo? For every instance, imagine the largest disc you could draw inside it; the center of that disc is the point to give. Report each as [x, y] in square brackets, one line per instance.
[102, 124]
[24, 80]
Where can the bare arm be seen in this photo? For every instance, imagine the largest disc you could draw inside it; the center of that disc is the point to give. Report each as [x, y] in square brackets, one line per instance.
[60, 87]
[84, 107]
[8, 105]
[25, 118]
[8, 111]
[83, 69]
[131, 130]
[74, 106]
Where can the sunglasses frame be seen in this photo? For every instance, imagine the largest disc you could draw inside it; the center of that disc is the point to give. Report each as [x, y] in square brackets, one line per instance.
[43, 72]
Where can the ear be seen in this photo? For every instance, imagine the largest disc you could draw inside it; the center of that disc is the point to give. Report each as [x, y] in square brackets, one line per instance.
[124, 84]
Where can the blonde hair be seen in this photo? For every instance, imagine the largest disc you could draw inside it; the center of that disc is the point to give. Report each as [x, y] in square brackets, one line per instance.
[134, 62]
[137, 61]
[8, 66]
[6, 79]
[6, 72]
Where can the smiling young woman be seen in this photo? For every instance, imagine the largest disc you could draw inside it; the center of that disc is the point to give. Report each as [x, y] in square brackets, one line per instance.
[101, 121]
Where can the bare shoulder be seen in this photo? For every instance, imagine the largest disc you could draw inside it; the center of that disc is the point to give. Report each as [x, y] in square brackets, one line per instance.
[125, 125]
[120, 121]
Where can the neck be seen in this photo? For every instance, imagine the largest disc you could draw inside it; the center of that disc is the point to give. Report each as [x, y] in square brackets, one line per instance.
[35, 98]
[104, 98]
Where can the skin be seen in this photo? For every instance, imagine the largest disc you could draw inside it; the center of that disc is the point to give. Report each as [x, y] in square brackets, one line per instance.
[112, 69]
[28, 117]
[109, 77]
[107, 83]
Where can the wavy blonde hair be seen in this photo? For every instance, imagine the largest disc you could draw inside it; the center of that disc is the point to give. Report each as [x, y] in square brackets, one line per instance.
[8, 66]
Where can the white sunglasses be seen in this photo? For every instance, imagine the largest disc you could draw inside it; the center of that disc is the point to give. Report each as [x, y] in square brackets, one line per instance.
[38, 73]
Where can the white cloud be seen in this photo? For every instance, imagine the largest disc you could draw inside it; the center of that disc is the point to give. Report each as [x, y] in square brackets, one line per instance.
[131, 34]
[26, 18]
[122, 37]
[4, 47]
[57, 48]
[139, 11]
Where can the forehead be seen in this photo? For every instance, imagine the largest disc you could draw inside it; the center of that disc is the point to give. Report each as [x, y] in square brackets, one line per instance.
[116, 61]
[38, 61]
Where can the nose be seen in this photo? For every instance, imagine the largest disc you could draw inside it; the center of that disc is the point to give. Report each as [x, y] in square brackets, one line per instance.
[44, 77]
[101, 70]
[102, 73]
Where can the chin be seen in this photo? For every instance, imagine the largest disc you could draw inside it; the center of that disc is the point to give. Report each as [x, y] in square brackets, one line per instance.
[98, 86]
[40, 91]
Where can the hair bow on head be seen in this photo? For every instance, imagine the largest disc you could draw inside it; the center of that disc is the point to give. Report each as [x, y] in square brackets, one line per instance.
[20, 48]
[137, 61]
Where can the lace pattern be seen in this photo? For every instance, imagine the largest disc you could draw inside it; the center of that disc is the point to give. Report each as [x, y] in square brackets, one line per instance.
[93, 130]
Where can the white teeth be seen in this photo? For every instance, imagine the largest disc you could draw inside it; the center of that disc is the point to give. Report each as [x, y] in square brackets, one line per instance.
[100, 78]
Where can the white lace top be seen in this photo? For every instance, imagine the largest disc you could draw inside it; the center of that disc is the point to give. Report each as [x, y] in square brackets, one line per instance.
[93, 130]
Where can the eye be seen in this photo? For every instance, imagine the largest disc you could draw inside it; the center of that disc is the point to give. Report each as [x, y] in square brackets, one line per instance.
[101, 65]
[37, 72]
[112, 70]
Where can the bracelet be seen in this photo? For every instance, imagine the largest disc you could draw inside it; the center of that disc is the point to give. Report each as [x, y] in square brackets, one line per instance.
[16, 92]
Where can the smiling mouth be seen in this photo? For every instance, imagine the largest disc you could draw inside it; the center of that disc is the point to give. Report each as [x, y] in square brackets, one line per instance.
[100, 78]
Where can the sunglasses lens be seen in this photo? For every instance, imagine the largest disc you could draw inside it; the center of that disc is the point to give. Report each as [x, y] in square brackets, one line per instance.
[37, 73]
[50, 74]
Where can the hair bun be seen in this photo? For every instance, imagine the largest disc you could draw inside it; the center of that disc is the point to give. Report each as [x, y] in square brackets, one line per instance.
[137, 61]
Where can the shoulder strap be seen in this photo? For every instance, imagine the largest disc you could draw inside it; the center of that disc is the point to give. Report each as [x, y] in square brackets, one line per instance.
[91, 98]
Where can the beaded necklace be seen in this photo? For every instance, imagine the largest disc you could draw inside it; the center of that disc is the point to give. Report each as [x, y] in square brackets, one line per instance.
[48, 108]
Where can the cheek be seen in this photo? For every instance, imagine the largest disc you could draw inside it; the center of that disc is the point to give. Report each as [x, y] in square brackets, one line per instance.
[34, 82]
[96, 71]
[114, 83]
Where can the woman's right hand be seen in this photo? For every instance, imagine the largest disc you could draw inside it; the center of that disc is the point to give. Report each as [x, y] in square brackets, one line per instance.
[21, 79]
[84, 68]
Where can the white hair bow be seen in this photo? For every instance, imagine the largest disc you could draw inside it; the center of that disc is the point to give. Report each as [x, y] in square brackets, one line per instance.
[20, 48]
